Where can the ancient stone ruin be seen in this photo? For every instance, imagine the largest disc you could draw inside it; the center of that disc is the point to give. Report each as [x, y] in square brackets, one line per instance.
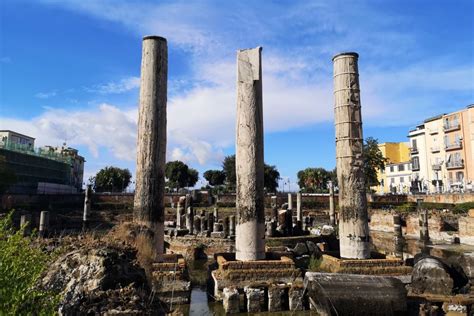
[353, 217]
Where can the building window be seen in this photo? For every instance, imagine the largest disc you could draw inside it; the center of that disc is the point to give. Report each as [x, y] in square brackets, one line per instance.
[402, 179]
[392, 169]
[415, 163]
[459, 176]
[401, 167]
[392, 180]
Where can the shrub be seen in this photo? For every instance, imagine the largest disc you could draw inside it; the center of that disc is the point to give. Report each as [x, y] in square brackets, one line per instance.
[463, 208]
[314, 263]
[21, 266]
[406, 207]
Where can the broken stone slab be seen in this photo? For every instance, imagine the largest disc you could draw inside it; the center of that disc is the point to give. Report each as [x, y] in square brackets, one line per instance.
[277, 297]
[218, 235]
[231, 300]
[255, 299]
[296, 297]
[351, 294]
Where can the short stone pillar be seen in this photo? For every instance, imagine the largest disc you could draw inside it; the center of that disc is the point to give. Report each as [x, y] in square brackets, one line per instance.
[25, 222]
[231, 300]
[217, 227]
[197, 224]
[397, 226]
[290, 201]
[188, 201]
[332, 210]
[296, 298]
[274, 201]
[277, 297]
[225, 225]
[210, 222]
[87, 207]
[270, 229]
[255, 299]
[189, 219]
[44, 224]
[354, 240]
[232, 225]
[423, 223]
[180, 212]
[299, 210]
[249, 160]
[203, 224]
[216, 214]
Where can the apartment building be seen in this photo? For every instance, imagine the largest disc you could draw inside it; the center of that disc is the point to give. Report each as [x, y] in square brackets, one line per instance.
[441, 152]
[395, 178]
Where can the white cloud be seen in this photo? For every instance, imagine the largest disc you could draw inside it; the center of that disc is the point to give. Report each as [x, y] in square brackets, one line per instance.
[121, 86]
[46, 95]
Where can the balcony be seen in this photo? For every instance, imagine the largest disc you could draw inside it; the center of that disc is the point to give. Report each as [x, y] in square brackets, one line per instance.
[455, 164]
[413, 150]
[433, 131]
[436, 166]
[435, 149]
[451, 126]
[453, 146]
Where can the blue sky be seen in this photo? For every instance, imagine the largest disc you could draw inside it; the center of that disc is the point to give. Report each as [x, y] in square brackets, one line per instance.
[70, 72]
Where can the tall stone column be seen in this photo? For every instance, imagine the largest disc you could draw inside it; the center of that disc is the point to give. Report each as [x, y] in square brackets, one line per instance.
[332, 210]
[353, 219]
[290, 201]
[149, 201]
[250, 230]
[87, 206]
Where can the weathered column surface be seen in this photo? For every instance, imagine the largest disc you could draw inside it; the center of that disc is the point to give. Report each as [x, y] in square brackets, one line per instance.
[290, 201]
[299, 211]
[250, 234]
[332, 210]
[149, 201]
[353, 219]
[44, 223]
[87, 206]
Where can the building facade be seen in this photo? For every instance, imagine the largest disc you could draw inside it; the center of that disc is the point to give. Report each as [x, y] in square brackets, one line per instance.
[392, 178]
[441, 152]
[44, 170]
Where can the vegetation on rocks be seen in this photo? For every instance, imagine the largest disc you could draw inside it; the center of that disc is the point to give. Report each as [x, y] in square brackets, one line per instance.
[21, 266]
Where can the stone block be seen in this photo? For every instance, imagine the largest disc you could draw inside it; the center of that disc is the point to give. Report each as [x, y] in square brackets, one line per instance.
[277, 297]
[218, 235]
[255, 299]
[231, 300]
[470, 213]
[296, 298]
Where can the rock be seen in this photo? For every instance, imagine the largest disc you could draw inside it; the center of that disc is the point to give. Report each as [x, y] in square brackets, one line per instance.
[97, 280]
[431, 276]
[313, 249]
[470, 213]
[300, 249]
[327, 230]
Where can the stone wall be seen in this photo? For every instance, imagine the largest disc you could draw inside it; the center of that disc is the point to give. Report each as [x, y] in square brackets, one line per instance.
[444, 198]
[466, 228]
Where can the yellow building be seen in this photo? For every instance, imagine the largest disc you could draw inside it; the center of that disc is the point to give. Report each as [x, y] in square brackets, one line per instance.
[392, 179]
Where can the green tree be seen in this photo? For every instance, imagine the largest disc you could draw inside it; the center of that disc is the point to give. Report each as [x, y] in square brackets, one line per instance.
[111, 179]
[228, 166]
[179, 175]
[215, 177]
[271, 177]
[193, 177]
[7, 176]
[373, 161]
[313, 179]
